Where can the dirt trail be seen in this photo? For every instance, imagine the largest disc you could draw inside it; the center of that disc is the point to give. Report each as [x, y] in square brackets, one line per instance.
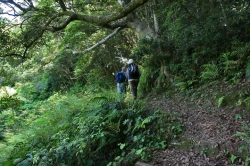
[208, 134]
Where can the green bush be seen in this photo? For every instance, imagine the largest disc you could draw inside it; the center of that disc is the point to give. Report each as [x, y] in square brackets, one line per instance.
[74, 130]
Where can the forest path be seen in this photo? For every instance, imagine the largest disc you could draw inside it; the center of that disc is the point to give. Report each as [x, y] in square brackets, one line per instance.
[208, 133]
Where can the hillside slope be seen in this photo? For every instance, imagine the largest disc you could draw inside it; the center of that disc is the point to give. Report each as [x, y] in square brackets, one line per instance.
[208, 130]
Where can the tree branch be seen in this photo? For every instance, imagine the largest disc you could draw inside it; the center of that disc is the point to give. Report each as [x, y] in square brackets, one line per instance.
[99, 43]
[112, 21]
[61, 3]
[13, 5]
[27, 46]
[72, 17]
[13, 54]
[103, 21]
[16, 5]
[29, 2]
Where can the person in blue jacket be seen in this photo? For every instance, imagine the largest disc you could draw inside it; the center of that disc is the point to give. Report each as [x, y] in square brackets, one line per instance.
[121, 86]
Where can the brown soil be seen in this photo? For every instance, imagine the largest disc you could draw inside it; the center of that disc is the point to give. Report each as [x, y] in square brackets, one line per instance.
[208, 132]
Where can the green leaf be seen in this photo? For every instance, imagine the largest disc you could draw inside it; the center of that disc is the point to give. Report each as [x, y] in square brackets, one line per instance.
[118, 157]
[122, 146]
[138, 152]
[220, 101]
[89, 162]
[238, 116]
[233, 158]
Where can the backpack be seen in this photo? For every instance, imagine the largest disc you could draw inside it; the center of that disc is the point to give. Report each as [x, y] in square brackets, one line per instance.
[120, 77]
[133, 70]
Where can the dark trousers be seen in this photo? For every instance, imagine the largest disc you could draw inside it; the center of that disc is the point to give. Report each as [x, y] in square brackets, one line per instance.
[133, 88]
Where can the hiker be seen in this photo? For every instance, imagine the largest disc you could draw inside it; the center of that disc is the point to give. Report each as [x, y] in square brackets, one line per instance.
[121, 79]
[133, 77]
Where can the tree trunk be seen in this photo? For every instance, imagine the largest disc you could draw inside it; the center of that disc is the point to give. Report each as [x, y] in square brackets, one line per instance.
[137, 24]
[143, 30]
[164, 76]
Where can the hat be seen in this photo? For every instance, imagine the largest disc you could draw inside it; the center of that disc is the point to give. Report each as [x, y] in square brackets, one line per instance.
[130, 61]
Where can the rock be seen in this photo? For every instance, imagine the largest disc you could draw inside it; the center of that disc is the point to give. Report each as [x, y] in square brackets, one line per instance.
[139, 163]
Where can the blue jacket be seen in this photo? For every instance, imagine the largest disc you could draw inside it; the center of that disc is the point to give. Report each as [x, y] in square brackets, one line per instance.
[125, 74]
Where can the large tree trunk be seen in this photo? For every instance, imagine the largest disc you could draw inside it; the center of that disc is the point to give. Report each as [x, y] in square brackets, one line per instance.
[137, 24]
[143, 30]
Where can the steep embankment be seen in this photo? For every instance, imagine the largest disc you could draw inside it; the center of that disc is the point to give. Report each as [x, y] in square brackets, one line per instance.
[208, 127]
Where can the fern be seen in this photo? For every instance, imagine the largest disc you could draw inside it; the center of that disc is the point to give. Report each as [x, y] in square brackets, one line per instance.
[101, 99]
[210, 71]
[109, 102]
[247, 101]
[113, 127]
[92, 134]
[141, 123]
[230, 64]
[220, 101]
[181, 86]
[245, 136]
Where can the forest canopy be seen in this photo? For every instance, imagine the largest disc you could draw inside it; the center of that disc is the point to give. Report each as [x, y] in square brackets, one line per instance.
[35, 18]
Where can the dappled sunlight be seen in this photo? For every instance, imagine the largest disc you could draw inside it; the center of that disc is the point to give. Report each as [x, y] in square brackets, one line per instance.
[7, 91]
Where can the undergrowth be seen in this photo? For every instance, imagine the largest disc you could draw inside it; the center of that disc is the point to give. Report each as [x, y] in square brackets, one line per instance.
[245, 136]
[89, 130]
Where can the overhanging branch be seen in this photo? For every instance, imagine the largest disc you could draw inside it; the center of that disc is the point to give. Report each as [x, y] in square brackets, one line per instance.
[61, 20]
[13, 55]
[99, 43]
[61, 3]
[96, 20]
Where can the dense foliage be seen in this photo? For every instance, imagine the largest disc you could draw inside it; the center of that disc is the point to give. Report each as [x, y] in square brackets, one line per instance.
[65, 111]
[102, 131]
